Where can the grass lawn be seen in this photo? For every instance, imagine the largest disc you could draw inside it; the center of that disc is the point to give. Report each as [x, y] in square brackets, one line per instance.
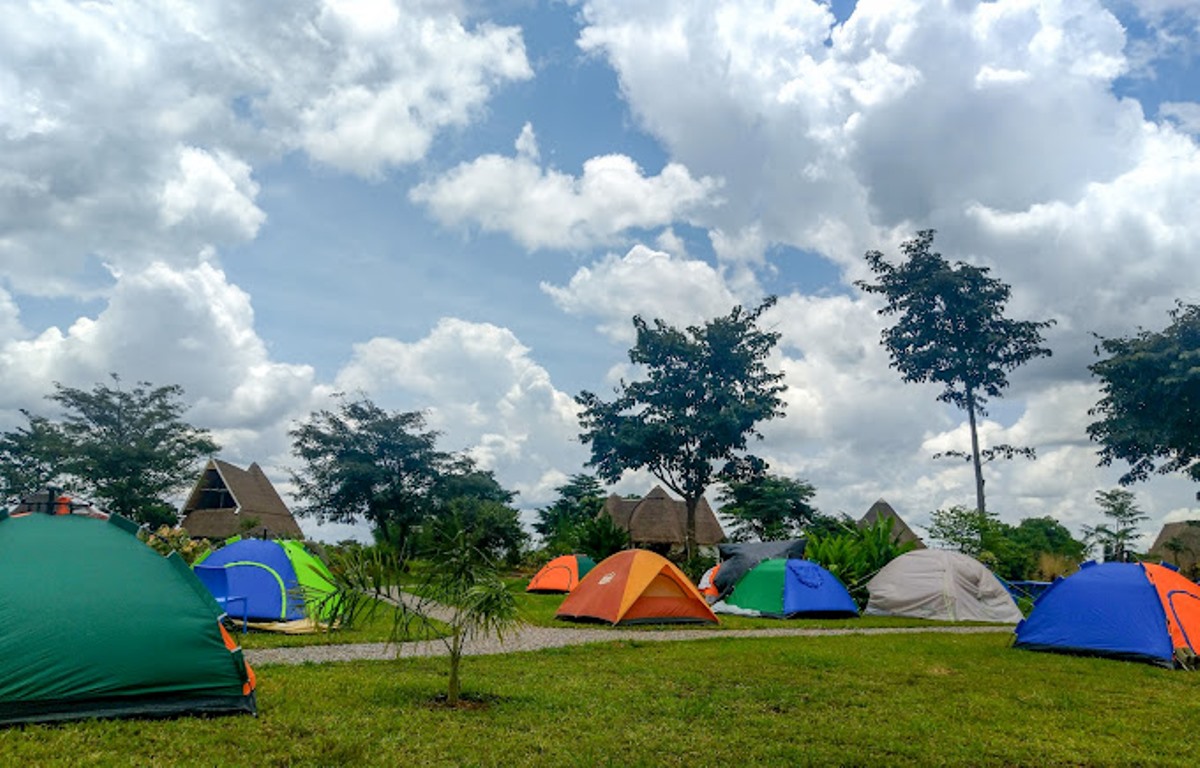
[375, 628]
[857, 700]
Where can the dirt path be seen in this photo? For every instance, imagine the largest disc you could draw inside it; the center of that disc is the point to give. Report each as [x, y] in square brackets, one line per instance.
[530, 638]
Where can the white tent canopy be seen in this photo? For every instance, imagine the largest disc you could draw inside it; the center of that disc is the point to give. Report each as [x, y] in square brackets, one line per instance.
[939, 584]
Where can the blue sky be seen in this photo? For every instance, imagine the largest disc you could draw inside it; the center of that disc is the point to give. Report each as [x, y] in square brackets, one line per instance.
[458, 206]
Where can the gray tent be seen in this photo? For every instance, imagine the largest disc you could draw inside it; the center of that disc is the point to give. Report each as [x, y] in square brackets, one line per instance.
[939, 584]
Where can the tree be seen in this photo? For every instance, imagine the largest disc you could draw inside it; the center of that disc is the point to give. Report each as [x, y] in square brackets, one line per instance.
[855, 554]
[579, 500]
[1114, 537]
[687, 423]
[1149, 411]
[952, 331]
[768, 507]
[600, 537]
[130, 450]
[961, 529]
[361, 462]
[30, 458]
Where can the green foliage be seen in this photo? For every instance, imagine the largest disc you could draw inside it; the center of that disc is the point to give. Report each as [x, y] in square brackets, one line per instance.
[492, 527]
[166, 540]
[706, 388]
[361, 462]
[1115, 536]
[463, 589]
[856, 554]
[768, 507]
[600, 537]
[952, 331]
[579, 501]
[1013, 552]
[1149, 411]
[129, 450]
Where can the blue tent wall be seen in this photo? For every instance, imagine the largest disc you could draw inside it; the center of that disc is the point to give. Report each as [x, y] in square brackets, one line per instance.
[1107, 609]
[260, 570]
[810, 589]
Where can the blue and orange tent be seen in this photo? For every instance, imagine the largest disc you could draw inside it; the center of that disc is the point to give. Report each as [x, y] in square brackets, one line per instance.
[1134, 611]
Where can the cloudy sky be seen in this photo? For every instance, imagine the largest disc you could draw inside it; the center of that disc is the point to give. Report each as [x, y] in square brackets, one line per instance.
[458, 206]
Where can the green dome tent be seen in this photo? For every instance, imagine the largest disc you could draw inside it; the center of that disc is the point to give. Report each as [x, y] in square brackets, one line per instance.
[94, 623]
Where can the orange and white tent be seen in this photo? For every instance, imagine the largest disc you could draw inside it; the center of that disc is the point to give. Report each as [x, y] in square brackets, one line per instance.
[562, 574]
[636, 587]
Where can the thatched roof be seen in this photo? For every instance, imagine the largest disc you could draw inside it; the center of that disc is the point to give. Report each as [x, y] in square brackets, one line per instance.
[656, 518]
[226, 498]
[1187, 535]
[900, 531]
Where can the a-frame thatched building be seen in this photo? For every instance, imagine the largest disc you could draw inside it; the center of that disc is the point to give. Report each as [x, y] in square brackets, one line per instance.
[228, 501]
[657, 520]
[901, 533]
[1179, 545]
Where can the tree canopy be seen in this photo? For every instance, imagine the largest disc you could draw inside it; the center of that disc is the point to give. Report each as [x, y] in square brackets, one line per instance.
[768, 507]
[579, 501]
[706, 388]
[363, 463]
[1116, 536]
[951, 330]
[360, 462]
[1149, 411]
[127, 449]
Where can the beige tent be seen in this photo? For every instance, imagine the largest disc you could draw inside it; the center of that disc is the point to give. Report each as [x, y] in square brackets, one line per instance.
[943, 585]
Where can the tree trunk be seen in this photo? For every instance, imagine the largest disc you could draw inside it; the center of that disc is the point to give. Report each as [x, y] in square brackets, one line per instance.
[689, 540]
[975, 460]
[455, 687]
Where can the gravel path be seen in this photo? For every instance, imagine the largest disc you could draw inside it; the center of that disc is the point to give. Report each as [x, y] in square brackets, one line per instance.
[530, 638]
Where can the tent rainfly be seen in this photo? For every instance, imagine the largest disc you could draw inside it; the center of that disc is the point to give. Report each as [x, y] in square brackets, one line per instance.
[943, 585]
[636, 587]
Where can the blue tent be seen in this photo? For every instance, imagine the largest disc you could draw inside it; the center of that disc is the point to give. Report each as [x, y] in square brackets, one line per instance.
[273, 576]
[1134, 611]
[788, 589]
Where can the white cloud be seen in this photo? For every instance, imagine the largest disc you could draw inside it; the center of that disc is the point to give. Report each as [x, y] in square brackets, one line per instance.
[483, 391]
[545, 208]
[644, 282]
[1184, 114]
[133, 132]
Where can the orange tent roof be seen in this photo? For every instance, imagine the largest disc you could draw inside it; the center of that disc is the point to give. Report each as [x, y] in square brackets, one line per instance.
[562, 574]
[636, 586]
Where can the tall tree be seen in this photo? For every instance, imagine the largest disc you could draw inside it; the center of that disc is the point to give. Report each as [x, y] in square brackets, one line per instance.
[769, 507]
[579, 500]
[687, 423]
[31, 458]
[361, 462]
[1115, 536]
[128, 449]
[1149, 412]
[951, 330]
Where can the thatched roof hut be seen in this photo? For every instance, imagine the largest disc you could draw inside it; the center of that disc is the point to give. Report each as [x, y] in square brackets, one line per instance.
[901, 533]
[656, 518]
[227, 501]
[1178, 544]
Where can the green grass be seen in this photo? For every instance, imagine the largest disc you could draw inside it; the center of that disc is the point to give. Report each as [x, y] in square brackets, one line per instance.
[852, 700]
[375, 627]
[539, 610]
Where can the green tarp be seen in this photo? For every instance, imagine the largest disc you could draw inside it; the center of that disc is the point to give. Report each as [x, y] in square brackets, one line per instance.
[94, 623]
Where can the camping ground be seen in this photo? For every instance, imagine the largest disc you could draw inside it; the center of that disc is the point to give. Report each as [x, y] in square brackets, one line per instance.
[920, 699]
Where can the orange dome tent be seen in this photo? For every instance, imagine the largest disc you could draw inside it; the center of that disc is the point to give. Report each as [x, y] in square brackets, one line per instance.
[562, 574]
[636, 587]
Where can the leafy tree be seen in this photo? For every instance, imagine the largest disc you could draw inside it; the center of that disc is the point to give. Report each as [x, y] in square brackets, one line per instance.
[361, 462]
[462, 479]
[856, 554]
[687, 423]
[30, 458]
[962, 529]
[600, 537]
[768, 507]
[492, 527]
[1115, 536]
[579, 500]
[1149, 411]
[129, 449]
[951, 330]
